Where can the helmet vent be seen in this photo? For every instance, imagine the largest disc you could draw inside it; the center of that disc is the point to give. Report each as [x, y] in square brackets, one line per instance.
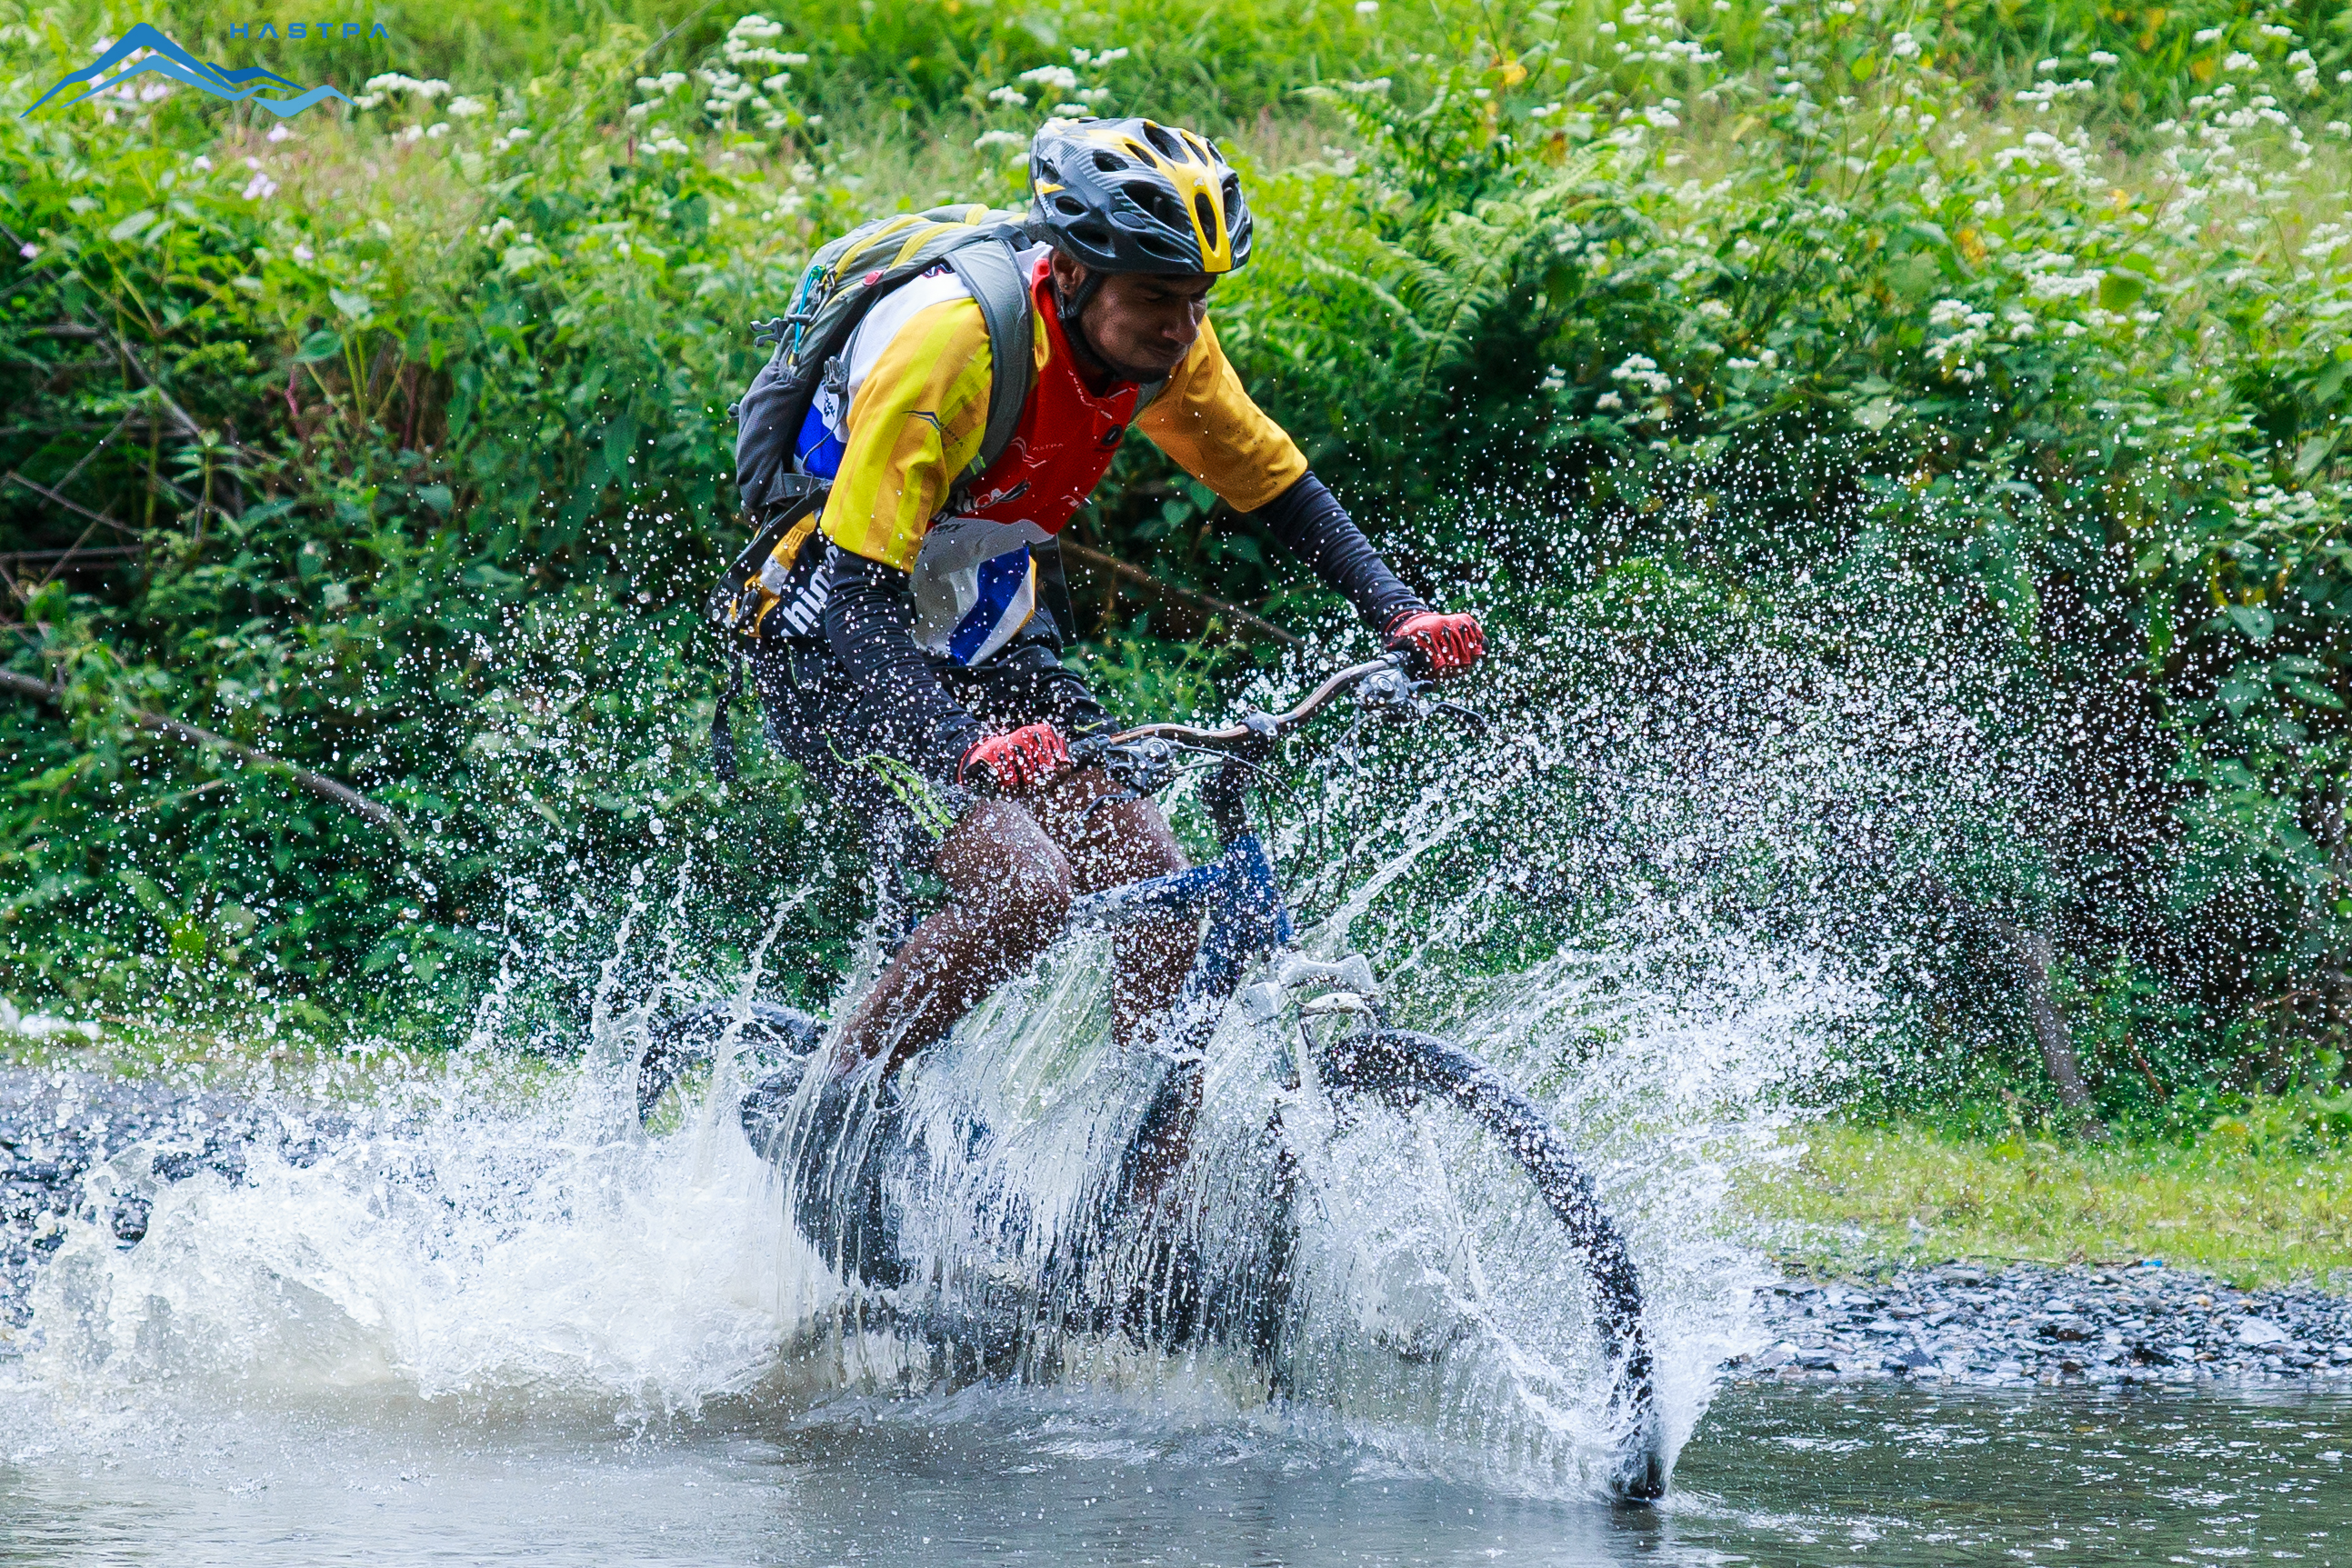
[1167, 141]
[1162, 206]
[1207, 217]
[1110, 163]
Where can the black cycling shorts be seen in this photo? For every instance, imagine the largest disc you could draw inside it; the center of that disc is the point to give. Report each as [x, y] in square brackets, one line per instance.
[817, 715]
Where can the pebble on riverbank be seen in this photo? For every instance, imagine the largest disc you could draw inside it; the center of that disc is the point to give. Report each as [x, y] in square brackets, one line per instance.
[2030, 1323]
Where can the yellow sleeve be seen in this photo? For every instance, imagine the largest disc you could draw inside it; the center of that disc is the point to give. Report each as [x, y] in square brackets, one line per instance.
[915, 424]
[1205, 422]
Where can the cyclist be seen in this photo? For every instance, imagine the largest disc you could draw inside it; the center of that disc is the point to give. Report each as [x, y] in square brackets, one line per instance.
[938, 699]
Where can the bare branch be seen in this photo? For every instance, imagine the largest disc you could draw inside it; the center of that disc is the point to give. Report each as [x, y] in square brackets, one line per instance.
[1136, 574]
[75, 508]
[319, 784]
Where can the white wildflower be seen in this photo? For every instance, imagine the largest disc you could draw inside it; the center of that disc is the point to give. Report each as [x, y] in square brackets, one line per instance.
[1737, 363]
[465, 108]
[1640, 370]
[261, 187]
[277, 134]
[988, 138]
[1606, 401]
[199, 161]
[1903, 47]
[1012, 96]
[1714, 310]
[28, 250]
[437, 129]
[638, 111]
[2101, 58]
[667, 142]
[1052, 78]
[2208, 35]
[1368, 7]
[1554, 378]
[663, 85]
[2239, 62]
[1071, 111]
[304, 254]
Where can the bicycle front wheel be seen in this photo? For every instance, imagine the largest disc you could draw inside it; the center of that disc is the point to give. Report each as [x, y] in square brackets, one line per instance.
[1406, 1069]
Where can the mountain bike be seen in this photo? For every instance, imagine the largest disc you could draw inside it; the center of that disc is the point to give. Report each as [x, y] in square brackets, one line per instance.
[1337, 1048]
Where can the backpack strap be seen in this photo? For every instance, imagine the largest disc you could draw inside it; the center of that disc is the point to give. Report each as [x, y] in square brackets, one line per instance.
[992, 271]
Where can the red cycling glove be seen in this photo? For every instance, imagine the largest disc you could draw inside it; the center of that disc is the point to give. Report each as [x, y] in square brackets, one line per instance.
[1013, 763]
[1446, 645]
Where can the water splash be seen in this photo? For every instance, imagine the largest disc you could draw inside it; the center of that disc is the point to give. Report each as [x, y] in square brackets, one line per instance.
[500, 1237]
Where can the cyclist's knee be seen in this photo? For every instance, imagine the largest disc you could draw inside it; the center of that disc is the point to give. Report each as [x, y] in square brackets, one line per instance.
[1004, 868]
[1036, 890]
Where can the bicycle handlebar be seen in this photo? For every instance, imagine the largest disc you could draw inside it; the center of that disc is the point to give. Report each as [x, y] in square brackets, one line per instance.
[1264, 726]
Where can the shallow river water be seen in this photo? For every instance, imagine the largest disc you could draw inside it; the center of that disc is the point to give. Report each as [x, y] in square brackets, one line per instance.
[1797, 1474]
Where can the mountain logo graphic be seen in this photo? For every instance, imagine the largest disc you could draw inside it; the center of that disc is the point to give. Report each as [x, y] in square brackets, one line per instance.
[167, 58]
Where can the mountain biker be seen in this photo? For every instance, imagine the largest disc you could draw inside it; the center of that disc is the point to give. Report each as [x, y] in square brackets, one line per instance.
[937, 699]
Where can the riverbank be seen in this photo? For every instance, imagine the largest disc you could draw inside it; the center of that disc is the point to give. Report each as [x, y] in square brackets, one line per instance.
[1862, 1202]
[2031, 1324]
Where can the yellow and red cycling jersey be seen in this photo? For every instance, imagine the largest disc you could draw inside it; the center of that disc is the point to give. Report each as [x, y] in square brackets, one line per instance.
[907, 419]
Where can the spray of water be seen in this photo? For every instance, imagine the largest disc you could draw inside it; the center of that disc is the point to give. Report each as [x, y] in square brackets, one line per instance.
[503, 1237]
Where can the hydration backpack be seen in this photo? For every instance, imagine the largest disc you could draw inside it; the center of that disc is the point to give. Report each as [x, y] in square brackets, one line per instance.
[844, 280]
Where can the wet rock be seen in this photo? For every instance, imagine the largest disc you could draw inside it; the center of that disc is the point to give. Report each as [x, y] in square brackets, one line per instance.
[58, 1128]
[2031, 1324]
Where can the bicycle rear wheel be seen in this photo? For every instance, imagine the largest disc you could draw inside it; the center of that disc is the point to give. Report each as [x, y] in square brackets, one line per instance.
[1406, 1069]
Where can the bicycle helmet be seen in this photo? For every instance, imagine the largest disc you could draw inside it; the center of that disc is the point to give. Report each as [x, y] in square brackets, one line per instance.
[1133, 195]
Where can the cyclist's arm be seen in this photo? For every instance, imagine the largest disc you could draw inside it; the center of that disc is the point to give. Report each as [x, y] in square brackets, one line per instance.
[1207, 424]
[916, 422]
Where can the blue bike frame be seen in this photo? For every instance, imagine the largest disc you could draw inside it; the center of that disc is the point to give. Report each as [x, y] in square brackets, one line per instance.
[1247, 917]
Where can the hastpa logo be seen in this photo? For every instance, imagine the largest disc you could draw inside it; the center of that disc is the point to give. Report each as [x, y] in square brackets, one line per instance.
[167, 58]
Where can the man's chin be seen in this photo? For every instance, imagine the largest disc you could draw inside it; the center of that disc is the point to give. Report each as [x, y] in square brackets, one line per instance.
[1146, 371]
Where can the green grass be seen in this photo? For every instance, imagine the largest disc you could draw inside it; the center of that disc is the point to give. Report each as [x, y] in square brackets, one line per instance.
[1859, 1199]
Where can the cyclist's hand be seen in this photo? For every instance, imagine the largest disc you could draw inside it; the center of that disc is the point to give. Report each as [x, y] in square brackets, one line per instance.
[1014, 763]
[1439, 645]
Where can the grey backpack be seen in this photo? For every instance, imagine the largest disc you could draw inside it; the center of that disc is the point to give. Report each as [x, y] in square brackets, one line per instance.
[843, 281]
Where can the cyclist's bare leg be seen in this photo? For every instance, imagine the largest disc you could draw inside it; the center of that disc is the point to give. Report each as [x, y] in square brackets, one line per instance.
[1108, 841]
[1011, 891]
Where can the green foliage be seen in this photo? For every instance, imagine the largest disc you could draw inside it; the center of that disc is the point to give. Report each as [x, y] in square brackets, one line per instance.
[1672, 343]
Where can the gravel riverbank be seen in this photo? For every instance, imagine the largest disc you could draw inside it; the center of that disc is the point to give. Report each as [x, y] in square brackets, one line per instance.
[2027, 1323]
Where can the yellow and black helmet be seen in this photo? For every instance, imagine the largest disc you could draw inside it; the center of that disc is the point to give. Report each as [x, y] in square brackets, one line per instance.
[1133, 195]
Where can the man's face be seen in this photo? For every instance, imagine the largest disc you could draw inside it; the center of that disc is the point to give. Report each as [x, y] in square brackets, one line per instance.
[1142, 323]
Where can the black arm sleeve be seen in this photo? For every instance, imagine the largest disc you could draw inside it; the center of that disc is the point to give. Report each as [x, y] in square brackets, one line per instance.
[869, 625]
[1310, 520]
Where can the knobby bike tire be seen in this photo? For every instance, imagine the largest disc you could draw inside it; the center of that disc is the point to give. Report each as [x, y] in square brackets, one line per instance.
[1407, 1067]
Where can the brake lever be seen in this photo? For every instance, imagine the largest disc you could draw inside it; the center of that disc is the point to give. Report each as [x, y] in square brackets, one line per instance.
[1470, 716]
